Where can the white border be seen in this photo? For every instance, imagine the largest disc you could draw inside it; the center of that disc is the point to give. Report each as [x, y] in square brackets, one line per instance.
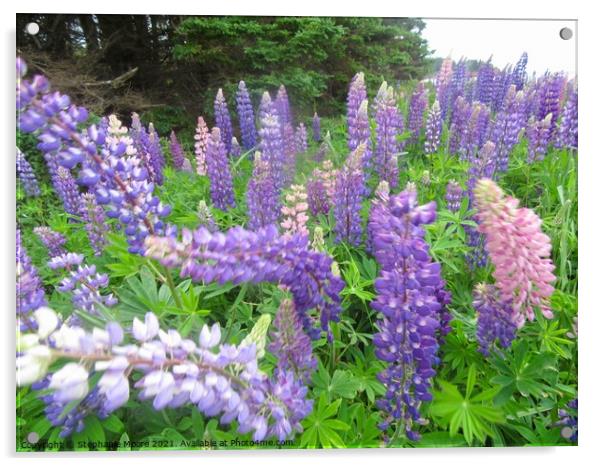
[590, 197]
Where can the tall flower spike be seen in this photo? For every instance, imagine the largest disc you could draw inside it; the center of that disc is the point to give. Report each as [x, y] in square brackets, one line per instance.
[484, 84]
[519, 73]
[315, 126]
[357, 94]
[272, 148]
[177, 153]
[294, 211]
[453, 196]
[241, 256]
[30, 291]
[408, 303]
[290, 153]
[96, 225]
[360, 133]
[218, 169]
[568, 132]
[201, 139]
[433, 129]
[290, 345]
[155, 155]
[443, 85]
[389, 126]
[266, 106]
[301, 139]
[263, 204]
[220, 381]
[494, 319]
[67, 190]
[519, 250]
[348, 190]
[222, 119]
[416, 110]
[282, 107]
[53, 241]
[538, 135]
[26, 175]
[506, 129]
[246, 117]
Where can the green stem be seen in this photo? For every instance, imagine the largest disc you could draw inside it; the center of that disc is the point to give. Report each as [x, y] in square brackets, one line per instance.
[172, 288]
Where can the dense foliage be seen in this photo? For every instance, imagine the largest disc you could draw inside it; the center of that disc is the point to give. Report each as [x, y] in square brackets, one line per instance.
[405, 277]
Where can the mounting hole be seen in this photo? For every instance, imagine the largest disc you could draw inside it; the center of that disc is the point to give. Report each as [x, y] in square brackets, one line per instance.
[32, 28]
[566, 33]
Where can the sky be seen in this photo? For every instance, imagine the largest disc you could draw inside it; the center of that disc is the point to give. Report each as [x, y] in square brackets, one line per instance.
[506, 40]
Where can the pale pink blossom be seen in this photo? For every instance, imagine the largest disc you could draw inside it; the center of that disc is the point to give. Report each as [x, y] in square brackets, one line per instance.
[519, 250]
[294, 211]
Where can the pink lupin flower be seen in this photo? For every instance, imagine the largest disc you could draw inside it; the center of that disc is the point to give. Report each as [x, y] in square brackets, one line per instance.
[295, 211]
[200, 146]
[519, 250]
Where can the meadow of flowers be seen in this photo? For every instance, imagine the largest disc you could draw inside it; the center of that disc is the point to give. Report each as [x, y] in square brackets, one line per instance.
[402, 276]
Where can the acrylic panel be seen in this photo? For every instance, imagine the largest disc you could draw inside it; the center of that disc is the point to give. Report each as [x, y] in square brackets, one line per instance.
[295, 232]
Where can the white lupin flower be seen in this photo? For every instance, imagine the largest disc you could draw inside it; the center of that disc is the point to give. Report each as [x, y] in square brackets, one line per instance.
[68, 338]
[70, 383]
[210, 338]
[147, 330]
[47, 321]
[33, 365]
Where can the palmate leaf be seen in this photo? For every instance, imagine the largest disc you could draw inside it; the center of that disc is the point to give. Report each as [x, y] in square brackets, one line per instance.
[473, 414]
[320, 430]
[341, 384]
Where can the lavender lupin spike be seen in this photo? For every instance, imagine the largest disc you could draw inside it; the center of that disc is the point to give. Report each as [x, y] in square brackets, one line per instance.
[53, 241]
[389, 125]
[433, 129]
[96, 225]
[315, 126]
[27, 175]
[348, 190]
[218, 170]
[30, 290]
[222, 119]
[263, 202]
[246, 117]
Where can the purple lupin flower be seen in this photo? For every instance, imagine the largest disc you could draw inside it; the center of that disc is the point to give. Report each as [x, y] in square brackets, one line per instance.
[228, 384]
[266, 106]
[416, 110]
[389, 125]
[315, 126]
[52, 240]
[458, 82]
[30, 290]
[68, 190]
[408, 306]
[109, 164]
[538, 135]
[235, 149]
[378, 207]
[283, 107]
[218, 170]
[356, 96]
[348, 190]
[177, 153]
[482, 166]
[243, 256]
[317, 197]
[470, 141]
[494, 319]
[433, 129]
[272, 148]
[263, 204]
[506, 128]
[484, 84]
[246, 117]
[201, 139]
[550, 97]
[519, 72]
[290, 344]
[301, 139]
[453, 196]
[26, 175]
[568, 130]
[96, 225]
[83, 282]
[568, 421]
[222, 119]
[146, 144]
[443, 86]
[459, 119]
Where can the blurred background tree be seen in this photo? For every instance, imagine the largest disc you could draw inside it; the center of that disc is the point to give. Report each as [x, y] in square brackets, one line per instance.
[172, 66]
